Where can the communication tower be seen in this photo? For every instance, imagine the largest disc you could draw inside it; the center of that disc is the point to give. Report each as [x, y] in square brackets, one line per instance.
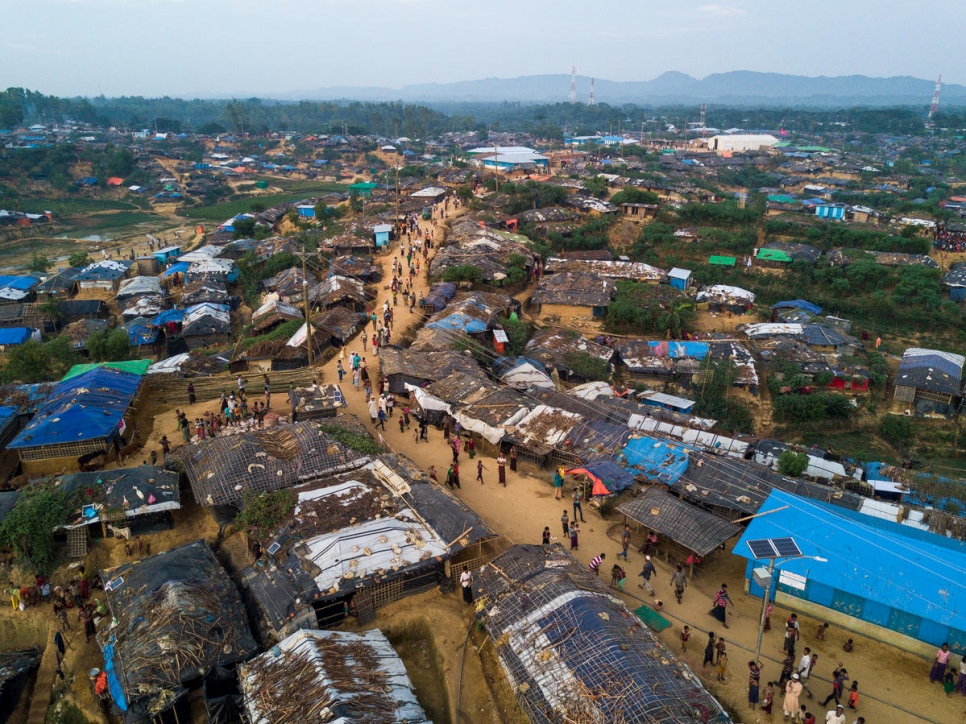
[592, 101]
[934, 106]
[573, 84]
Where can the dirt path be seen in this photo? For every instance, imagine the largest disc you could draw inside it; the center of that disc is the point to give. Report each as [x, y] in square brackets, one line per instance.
[521, 510]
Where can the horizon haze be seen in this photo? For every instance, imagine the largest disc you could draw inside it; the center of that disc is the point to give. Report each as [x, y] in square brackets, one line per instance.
[243, 48]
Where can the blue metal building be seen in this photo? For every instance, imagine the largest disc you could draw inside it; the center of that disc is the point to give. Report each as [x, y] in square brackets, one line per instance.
[896, 578]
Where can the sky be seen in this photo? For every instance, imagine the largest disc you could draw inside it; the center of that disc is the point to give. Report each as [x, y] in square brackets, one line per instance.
[219, 48]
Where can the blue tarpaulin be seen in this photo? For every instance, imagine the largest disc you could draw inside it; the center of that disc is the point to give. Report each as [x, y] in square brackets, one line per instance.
[435, 300]
[445, 289]
[798, 304]
[139, 335]
[14, 335]
[117, 693]
[179, 268]
[169, 315]
[607, 472]
[659, 460]
[676, 348]
[86, 407]
[460, 321]
[22, 283]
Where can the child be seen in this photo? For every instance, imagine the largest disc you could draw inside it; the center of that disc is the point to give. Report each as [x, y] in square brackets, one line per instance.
[948, 686]
[848, 646]
[685, 636]
[854, 694]
[720, 648]
[768, 698]
[722, 666]
[546, 535]
[768, 610]
[806, 716]
[820, 634]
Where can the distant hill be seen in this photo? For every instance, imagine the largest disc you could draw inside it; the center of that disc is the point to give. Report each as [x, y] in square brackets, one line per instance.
[738, 87]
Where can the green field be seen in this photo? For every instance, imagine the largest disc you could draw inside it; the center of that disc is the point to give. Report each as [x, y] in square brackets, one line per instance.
[67, 208]
[243, 204]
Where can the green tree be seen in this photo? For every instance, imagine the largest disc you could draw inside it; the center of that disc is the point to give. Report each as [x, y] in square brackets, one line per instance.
[596, 186]
[79, 260]
[898, 431]
[518, 334]
[792, 463]
[632, 195]
[244, 228]
[673, 320]
[464, 273]
[109, 346]
[30, 526]
[39, 361]
[39, 263]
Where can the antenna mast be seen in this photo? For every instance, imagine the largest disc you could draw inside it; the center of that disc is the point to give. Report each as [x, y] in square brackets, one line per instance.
[704, 111]
[573, 84]
[592, 102]
[934, 106]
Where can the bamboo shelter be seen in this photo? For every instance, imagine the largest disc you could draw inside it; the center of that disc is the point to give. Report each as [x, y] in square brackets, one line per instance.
[574, 653]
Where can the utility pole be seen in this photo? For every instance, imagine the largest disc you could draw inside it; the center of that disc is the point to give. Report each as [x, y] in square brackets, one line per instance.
[496, 166]
[305, 300]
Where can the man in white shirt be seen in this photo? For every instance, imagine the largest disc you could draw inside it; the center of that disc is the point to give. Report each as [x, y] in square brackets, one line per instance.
[805, 668]
[466, 581]
[836, 717]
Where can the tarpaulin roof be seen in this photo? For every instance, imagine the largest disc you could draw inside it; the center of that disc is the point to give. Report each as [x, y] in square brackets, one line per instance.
[659, 460]
[86, 407]
[180, 267]
[146, 489]
[460, 321]
[798, 304]
[695, 529]
[14, 335]
[607, 475]
[139, 334]
[132, 366]
[178, 616]
[168, 315]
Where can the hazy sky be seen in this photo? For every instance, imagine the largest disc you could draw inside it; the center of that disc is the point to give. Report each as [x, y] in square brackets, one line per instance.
[261, 47]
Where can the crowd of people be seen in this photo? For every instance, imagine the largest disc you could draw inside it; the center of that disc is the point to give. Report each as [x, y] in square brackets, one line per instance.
[946, 240]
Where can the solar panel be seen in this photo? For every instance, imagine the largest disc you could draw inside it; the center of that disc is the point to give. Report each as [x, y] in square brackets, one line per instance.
[766, 548]
[786, 547]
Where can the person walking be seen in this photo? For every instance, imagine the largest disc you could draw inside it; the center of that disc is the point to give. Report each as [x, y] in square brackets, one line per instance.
[791, 634]
[466, 581]
[646, 572]
[338, 368]
[719, 607]
[513, 458]
[805, 665]
[939, 664]
[191, 394]
[679, 580]
[268, 387]
[625, 541]
[790, 705]
[381, 415]
[709, 651]
[839, 677]
[501, 471]
[577, 507]
[558, 482]
[565, 522]
[373, 411]
[456, 475]
[479, 471]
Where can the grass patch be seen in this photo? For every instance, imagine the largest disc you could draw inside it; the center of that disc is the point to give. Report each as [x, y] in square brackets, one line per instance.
[357, 441]
[243, 204]
[282, 331]
[77, 207]
[119, 220]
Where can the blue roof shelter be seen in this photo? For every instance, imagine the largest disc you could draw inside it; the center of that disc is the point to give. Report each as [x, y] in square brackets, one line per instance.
[81, 415]
[180, 267]
[14, 336]
[659, 460]
[892, 576]
[799, 304]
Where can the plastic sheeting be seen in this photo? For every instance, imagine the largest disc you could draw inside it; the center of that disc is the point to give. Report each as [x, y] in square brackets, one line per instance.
[333, 553]
[659, 460]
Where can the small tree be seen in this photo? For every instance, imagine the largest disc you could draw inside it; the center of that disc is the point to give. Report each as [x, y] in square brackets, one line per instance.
[898, 431]
[792, 463]
[109, 346]
[29, 528]
[39, 263]
[79, 260]
[261, 512]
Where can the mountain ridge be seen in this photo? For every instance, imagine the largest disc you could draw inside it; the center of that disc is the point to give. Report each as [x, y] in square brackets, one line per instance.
[733, 87]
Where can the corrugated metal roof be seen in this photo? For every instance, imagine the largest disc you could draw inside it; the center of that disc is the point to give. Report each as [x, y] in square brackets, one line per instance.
[695, 529]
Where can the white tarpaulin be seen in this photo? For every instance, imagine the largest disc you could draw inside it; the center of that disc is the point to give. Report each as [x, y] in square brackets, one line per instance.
[526, 375]
[428, 401]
